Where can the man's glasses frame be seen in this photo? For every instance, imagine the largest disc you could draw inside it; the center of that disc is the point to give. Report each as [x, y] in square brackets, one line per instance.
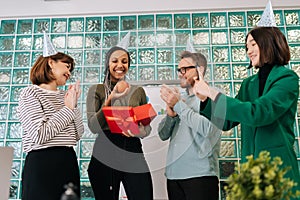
[182, 70]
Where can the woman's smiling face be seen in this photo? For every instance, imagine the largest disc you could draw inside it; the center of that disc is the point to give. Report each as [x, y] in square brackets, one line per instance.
[253, 51]
[118, 65]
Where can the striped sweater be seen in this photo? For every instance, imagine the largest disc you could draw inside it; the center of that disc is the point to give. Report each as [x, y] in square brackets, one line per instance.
[46, 121]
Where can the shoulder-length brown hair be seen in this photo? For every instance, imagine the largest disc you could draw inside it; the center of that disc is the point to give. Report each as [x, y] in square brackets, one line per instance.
[273, 46]
[41, 71]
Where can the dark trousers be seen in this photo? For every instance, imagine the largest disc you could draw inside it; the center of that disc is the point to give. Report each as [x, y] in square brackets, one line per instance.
[47, 171]
[200, 188]
[105, 183]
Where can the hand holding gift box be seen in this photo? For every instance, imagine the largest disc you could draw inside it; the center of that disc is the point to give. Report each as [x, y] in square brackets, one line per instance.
[123, 118]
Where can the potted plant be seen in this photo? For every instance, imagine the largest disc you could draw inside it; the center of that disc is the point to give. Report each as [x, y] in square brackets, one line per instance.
[260, 178]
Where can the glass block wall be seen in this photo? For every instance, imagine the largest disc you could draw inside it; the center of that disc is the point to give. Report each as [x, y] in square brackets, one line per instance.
[156, 41]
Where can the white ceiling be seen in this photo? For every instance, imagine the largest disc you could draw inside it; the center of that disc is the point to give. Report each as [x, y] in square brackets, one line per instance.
[32, 8]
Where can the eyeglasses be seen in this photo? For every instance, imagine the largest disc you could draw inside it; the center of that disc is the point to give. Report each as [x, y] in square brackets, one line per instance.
[182, 70]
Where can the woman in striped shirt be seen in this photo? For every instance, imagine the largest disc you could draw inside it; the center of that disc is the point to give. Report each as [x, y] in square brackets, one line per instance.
[52, 125]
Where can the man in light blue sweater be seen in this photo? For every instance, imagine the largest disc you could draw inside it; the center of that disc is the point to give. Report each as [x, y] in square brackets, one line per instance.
[192, 161]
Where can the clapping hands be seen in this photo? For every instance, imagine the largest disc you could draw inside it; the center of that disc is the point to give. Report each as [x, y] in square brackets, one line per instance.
[72, 95]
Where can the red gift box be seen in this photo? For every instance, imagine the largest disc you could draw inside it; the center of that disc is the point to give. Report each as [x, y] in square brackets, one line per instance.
[123, 118]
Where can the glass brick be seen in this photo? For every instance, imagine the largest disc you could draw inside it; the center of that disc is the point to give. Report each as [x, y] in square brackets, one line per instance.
[35, 55]
[17, 145]
[38, 42]
[295, 52]
[128, 23]
[84, 164]
[240, 71]
[238, 36]
[23, 42]
[226, 168]
[4, 91]
[228, 134]
[111, 23]
[146, 56]
[41, 25]
[25, 26]
[220, 54]
[164, 38]
[92, 57]
[200, 20]
[59, 25]
[76, 75]
[253, 18]
[3, 110]
[2, 129]
[201, 37]
[7, 43]
[146, 73]
[228, 149]
[92, 40]
[22, 59]
[146, 39]
[237, 19]
[238, 54]
[75, 41]
[20, 76]
[163, 21]
[293, 34]
[77, 55]
[76, 24]
[93, 24]
[278, 17]
[6, 59]
[132, 74]
[16, 169]
[132, 54]
[296, 67]
[291, 17]
[218, 20]
[221, 72]
[91, 75]
[14, 130]
[165, 72]
[178, 51]
[59, 41]
[87, 133]
[13, 112]
[145, 22]
[182, 21]
[224, 87]
[164, 56]
[86, 148]
[5, 76]
[110, 39]
[13, 190]
[86, 190]
[15, 93]
[219, 36]
[8, 26]
[181, 37]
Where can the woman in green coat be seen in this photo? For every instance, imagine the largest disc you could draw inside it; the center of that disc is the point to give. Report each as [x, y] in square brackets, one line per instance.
[266, 103]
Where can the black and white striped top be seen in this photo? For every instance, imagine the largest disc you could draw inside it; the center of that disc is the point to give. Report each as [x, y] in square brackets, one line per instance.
[45, 119]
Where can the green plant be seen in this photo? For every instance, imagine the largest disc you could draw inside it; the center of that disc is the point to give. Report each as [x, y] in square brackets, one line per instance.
[260, 178]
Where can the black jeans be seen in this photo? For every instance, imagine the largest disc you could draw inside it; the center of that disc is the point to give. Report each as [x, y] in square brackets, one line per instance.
[200, 188]
[105, 182]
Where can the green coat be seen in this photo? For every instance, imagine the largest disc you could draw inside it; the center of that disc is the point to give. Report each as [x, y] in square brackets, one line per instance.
[267, 122]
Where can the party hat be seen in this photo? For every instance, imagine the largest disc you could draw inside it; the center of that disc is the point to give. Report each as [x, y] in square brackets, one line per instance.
[48, 49]
[267, 19]
[189, 46]
[124, 43]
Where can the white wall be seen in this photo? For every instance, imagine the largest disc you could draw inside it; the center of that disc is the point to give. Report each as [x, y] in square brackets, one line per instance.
[35, 8]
